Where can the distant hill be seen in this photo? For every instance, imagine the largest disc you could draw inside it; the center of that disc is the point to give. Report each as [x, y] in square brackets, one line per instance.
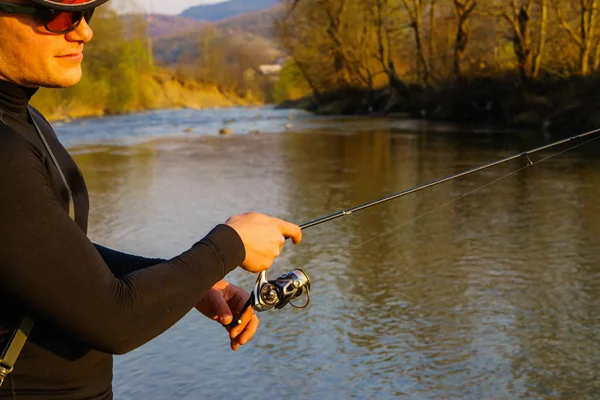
[173, 49]
[177, 37]
[161, 26]
[259, 23]
[228, 9]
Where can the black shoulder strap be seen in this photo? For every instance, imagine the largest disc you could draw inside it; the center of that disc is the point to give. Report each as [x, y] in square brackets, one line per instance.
[34, 114]
[14, 346]
[17, 340]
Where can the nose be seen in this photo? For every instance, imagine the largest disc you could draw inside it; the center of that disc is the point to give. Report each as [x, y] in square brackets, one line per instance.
[83, 33]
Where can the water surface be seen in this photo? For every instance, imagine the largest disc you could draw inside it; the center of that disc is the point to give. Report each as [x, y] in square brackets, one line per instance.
[492, 295]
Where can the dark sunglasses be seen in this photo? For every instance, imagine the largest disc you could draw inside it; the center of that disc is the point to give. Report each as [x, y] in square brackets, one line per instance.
[59, 22]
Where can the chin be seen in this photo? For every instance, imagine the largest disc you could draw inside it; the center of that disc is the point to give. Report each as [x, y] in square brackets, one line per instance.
[62, 78]
[68, 79]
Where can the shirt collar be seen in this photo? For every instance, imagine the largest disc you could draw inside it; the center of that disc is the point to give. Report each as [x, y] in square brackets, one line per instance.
[14, 98]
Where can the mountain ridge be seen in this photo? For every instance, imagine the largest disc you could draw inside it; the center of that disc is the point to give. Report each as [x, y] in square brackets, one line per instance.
[162, 25]
[225, 10]
[175, 37]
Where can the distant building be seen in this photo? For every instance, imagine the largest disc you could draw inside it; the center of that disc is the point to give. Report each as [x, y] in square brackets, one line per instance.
[270, 69]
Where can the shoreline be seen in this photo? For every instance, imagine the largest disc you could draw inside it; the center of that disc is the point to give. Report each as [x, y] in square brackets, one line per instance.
[100, 114]
[480, 103]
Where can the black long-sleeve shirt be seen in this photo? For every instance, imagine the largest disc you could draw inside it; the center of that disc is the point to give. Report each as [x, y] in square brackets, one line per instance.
[88, 301]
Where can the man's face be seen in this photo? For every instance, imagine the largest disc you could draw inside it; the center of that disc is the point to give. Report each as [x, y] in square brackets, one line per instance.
[31, 56]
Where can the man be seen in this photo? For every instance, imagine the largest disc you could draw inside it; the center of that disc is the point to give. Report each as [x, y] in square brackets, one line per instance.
[89, 302]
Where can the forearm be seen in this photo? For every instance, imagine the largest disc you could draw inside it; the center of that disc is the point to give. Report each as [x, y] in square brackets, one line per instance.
[51, 269]
[80, 295]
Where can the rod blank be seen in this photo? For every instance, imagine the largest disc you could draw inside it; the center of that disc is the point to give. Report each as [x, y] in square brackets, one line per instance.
[525, 154]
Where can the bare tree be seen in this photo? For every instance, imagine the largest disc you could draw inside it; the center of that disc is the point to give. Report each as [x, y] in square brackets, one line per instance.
[432, 36]
[384, 16]
[463, 9]
[344, 45]
[290, 41]
[302, 32]
[537, 57]
[585, 34]
[528, 43]
[335, 11]
[416, 10]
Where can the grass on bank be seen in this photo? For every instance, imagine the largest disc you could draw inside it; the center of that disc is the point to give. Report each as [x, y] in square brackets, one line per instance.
[126, 94]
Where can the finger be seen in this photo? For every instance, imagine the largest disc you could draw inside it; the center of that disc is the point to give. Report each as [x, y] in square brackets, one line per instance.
[238, 299]
[239, 304]
[236, 331]
[249, 331]
[222, 311]
[246, 317]
[291, 231]
[247, 334]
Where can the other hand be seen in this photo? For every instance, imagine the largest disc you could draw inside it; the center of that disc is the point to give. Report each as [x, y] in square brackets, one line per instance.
[223, 302]
[263, 238]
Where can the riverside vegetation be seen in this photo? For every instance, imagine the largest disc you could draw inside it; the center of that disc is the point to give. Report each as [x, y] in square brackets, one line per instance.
[508, 63]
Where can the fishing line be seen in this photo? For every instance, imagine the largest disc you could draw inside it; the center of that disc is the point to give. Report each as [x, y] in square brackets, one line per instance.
[528, 165]
[525, 154]
[437, 208]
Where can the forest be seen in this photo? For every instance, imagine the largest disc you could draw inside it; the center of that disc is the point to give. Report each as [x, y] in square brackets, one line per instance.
[507, 62]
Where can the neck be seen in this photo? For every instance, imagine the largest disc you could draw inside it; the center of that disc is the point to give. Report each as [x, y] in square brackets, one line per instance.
[14, 98]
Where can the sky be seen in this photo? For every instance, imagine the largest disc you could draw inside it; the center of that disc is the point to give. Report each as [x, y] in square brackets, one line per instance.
[172, 7]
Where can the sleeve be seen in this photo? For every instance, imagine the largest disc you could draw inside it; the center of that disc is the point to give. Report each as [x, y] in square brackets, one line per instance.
[122, 264]
[49, 267]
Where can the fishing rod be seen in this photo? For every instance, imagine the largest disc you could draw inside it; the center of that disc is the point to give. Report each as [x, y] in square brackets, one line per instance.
[268, 294]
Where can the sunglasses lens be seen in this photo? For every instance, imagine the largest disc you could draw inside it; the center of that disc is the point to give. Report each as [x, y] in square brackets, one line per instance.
[67, 21]
[64, 21]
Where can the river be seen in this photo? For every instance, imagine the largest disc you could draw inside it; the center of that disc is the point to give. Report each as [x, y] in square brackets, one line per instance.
[463, 291]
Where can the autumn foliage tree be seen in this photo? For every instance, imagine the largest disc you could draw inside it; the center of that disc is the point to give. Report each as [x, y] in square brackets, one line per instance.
[373, 43]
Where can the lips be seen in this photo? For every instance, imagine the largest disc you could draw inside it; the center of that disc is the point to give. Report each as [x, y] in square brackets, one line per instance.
[75, 57]
[76, 52]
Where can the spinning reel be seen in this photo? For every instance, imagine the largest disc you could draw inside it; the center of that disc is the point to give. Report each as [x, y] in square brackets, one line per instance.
[268, 294]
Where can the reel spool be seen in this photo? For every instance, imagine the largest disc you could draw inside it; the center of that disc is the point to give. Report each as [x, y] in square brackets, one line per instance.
[269, 294]
[281, 291]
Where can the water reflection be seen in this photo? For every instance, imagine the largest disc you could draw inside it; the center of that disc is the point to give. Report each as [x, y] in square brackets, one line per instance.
[494, 295]
[119, 179]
